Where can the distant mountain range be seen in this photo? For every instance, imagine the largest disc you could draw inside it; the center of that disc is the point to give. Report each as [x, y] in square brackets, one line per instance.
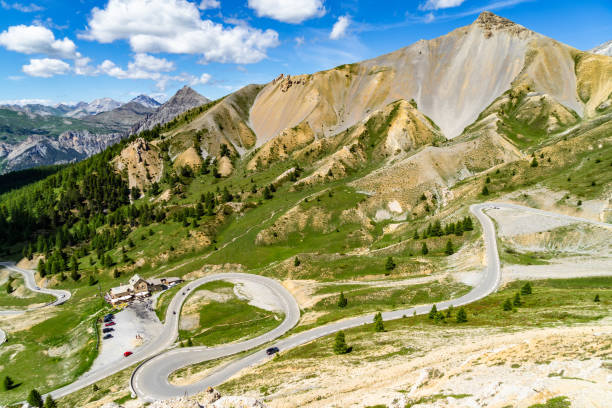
[35, 134]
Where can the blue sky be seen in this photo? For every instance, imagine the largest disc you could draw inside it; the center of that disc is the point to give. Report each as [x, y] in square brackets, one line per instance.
[67, 51]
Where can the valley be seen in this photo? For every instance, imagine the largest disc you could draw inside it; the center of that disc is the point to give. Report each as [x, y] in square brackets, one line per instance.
[471, 172]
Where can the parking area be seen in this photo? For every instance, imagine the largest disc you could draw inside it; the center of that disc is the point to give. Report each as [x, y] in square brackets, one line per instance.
[134, 326]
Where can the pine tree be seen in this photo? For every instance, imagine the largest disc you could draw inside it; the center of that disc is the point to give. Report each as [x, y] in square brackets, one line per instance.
[526, 289]
[342, 300]
[596, 300]
[75, 275]
[296, 262]
[34, 399]
[189, 342]
[461, 315]
[390, 265]
[50, 402]
[467, 224]
[459, 229]
[340, 346]
[95, 388]
[449, 248]
[424, 249]
[378, 323]
[8, 383]
[485, 191]
[433, 311]
[507, 306]
[449, 311]
[517, 300]
[416, 234]
[534, 162]
[267, 194]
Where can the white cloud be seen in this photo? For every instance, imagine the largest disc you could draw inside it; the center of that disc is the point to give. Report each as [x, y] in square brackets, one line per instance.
[25, 8]
[299, 41]
[440, 4]
[36, 40]
[46, 67]
[339, 29]
[175, 26]
[22, 102]
[209, 4]
[202, 80]
[429, 17]
[288, 11]
[143, 66]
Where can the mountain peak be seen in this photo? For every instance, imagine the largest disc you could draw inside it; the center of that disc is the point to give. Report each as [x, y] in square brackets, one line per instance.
[491, 22]
[146, 101]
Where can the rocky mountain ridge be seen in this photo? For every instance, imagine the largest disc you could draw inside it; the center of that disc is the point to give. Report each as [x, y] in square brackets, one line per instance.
[603, 49]
[185, 99]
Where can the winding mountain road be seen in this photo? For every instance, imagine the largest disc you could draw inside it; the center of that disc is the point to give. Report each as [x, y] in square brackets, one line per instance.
[169, 333]
[61, 296]
[150, 379]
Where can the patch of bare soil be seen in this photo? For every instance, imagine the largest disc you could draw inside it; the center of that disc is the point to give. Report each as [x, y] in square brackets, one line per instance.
[481, 367]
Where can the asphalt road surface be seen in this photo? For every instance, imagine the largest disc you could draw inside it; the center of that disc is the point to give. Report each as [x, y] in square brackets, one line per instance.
[61, 296]
[150, 380]
[169, 333]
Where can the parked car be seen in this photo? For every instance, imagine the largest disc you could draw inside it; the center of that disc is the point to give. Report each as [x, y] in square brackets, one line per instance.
[109, 316]
[107, 330]
[127, 354]
[107, 319]
[108, 336]
[109, 324]
[272, 350]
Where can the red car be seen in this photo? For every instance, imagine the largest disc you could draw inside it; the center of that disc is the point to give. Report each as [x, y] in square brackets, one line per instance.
[109, 324]
[127, 354]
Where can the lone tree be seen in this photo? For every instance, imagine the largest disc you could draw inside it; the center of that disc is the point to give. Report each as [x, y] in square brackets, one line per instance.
[596, 300]
[34, 399]
[378, 323]
[485, 191]
[50, 402]
[526, 289]
[534, 162]
[461, 315]
[449, 311]
[507, 305]
[390, 265]
[517, 300]
[424, 249]
[296, 261]
[433, 311]
[449, 248]
[342, 301]
[8, 383]
[340, 346]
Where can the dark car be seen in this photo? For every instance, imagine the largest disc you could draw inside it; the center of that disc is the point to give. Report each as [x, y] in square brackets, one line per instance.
[108, 336]
[272, 350]
[107, 330]
[108, 319]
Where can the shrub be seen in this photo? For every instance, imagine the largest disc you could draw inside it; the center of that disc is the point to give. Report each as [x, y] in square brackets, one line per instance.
[340, 346]
[433, 311]
[424, 249]
[342, 300]
[526, 289]
[517, 300]
[507, 306]
[378, 323]
[390, 265]
[449, 248]
[596, 300]
[461, 315]
[34, 399]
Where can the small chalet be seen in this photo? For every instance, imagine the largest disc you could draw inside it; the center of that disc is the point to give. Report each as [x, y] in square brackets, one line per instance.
[138, 287]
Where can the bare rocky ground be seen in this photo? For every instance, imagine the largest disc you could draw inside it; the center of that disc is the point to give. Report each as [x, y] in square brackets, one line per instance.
[207, 399]
[481, 367]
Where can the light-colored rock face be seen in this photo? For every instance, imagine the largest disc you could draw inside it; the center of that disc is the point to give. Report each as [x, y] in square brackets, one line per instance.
[141, 162]
[225, 167]
[603, 49]
[452, 78]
